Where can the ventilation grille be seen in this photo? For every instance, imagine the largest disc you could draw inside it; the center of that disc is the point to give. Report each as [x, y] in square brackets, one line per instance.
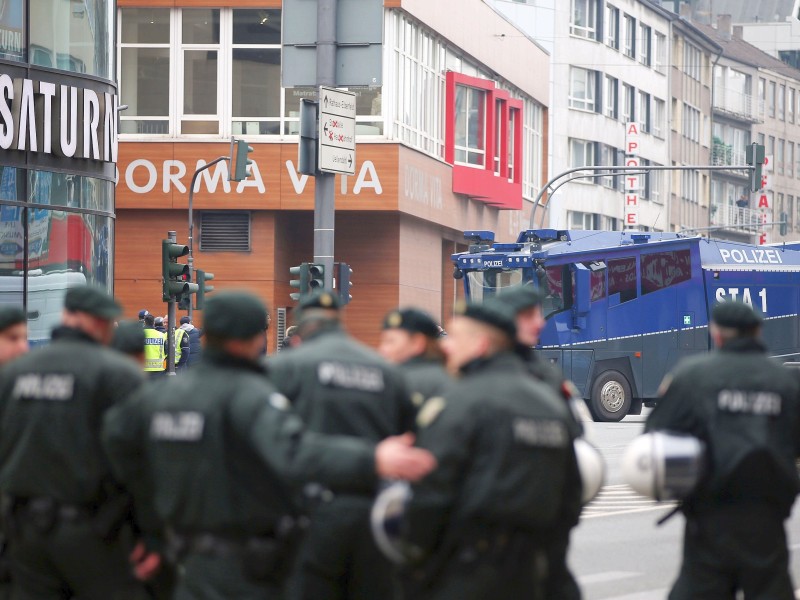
[225, 231]
[280, 330]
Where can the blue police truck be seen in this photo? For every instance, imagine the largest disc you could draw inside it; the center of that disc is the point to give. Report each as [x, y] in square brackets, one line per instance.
[622, 307]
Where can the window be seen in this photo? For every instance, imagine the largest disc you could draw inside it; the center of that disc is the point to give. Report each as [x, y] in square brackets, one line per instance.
[644, 112]
[645, 41]
[762, 95]
[660, 52]
[227, 231]
[145, 70]
[789, 159]
[582, 89]
[628, 103]
[612, 26]
[558, 294]
[770, 146]
[779, 156]
[582, 220]
[629, 36]
[789, 213]
[655, 184]
[659, 108]
[581, 153]
[199, 66]
[611, 106]
[622, 278]
[691, 60]
[771, 99]
[470, 130]
[689, 186]
[797, 215]
[790, 106]
[608, 158]
[782, 102]
[664, 269]
[691, 123]
[584, 19]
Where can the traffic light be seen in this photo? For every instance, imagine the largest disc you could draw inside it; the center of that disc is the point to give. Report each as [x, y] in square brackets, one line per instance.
[343, 282]
[203, 288]
[238, 168]
[174, 275]
[783, 226]
[754, 155]
[316, 273]
[302, 272]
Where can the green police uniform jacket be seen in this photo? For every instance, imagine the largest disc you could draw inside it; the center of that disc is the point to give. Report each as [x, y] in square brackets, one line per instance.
[504, 448]
[52, 403]
[215, 449]
[426, 378]
[338, 385]
[746, 407]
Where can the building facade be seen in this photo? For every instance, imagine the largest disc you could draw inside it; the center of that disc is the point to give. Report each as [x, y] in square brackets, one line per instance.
[58, 134]
[452, 139]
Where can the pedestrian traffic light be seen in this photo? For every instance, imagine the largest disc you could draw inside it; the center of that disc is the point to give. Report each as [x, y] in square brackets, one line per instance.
[343, 282]
[239, 165]
[303, 277]
[754, 155]
[174, 275]
[316, 273]
[203, 288]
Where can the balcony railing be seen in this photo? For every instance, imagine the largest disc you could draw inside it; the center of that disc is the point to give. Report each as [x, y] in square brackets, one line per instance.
[736, 103]
[740, 219]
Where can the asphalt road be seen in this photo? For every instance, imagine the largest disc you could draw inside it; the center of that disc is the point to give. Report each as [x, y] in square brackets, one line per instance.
[617, 551]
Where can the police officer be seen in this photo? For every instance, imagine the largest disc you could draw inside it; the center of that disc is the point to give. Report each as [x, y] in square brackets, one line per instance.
[13, 333]
[154, 352]
[212, 457]
[410, 338]
[339, 386]
[526, 304]
[505, 448]
[745, 407]
[63, 510]
[129, 339]
[182, 350]
[194, 334]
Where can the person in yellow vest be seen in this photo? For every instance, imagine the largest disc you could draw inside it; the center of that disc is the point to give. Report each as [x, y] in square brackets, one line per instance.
[181, 349]
[154, 354]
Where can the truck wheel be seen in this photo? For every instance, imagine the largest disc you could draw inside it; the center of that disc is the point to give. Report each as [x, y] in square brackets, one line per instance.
[611, 397]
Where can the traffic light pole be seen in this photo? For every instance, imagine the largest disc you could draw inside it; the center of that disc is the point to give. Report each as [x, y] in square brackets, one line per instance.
[324, 191]
[173, 237]
[190, 260]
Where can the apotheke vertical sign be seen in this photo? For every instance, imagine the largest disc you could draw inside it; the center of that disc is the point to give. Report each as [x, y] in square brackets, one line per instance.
[337, 131]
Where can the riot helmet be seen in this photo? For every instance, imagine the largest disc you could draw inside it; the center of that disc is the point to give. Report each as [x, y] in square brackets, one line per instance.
[386, 522]
[664, 465]
[592, 468]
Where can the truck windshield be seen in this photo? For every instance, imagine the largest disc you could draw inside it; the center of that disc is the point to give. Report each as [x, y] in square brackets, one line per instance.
[485, 284]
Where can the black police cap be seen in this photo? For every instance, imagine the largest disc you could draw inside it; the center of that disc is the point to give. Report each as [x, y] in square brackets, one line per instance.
[492, 312]
[521, 298]
[128, 337]
[236, 315]
[326, 299]
[412, 320]
[92, 300]
[735, 315]
[10, 316]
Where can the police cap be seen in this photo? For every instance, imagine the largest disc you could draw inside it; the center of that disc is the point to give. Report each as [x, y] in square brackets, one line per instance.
[412, 320]
[493, 313]
[235, 315]
[521, 298]
[143, 313]
[128, 337]
[325, 299]
[11, 315]
[185, 319]
[158, 321]
[736, 315]
[92, 300]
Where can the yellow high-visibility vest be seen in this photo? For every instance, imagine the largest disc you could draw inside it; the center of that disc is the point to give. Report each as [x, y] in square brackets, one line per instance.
[179, 333]
[154, 356]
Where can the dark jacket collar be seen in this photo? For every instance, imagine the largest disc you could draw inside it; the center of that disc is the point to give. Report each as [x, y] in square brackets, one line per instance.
[220, 358]
[506, 360]
[64, 333]
[743, 345]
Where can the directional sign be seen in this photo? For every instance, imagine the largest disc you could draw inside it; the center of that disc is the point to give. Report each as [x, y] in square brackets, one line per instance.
[337, 131]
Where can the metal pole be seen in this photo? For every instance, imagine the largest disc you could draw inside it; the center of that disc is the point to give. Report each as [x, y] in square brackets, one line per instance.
[324, 198]
[623, 169]
[190, 259]
[173, 237]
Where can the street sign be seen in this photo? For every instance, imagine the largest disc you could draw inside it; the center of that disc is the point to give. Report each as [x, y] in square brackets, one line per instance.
[337, 131]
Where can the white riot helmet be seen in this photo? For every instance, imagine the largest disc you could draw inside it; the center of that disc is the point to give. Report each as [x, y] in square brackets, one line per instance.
[386, 522]
[592, 468]
[664, 465]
